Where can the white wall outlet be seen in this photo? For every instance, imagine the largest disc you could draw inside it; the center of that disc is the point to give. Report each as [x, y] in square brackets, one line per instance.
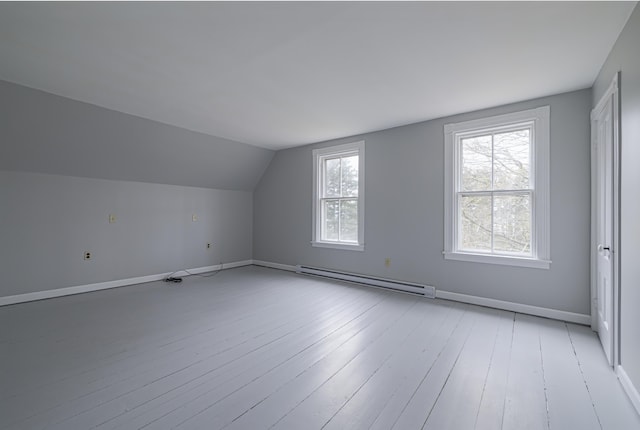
[194, 217]
[208, 246]
[112, 218]
[87, 255]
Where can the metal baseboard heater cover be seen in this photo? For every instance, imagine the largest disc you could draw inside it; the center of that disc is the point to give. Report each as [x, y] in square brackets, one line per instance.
[407, 287]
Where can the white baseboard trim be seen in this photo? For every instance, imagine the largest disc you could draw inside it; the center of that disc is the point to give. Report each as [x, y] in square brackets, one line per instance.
[233, 264]
[195, 271]
[555, 314]
[59, 292]
[274, 265]
[629, 388]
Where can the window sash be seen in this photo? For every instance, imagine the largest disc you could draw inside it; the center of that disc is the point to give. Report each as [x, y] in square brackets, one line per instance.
[492, 194]
[492, 131]
[323, 219]
[323, 172]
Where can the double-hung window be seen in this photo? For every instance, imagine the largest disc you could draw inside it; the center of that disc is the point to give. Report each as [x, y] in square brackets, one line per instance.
[497, 189]
[339, 196]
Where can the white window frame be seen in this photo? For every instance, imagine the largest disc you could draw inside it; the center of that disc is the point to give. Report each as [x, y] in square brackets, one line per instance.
[540, 217]
[319, 155]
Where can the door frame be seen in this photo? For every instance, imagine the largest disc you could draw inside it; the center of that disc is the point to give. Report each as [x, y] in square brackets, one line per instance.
[611, 95]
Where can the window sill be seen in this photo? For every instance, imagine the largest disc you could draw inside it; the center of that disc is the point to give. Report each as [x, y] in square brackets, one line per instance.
[338, 245]
[498, 259]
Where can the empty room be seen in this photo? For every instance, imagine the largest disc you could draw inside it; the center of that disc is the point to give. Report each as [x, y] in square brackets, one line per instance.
[320, 215]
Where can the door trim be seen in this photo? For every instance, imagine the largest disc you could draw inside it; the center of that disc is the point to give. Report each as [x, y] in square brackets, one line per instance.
[612, 94]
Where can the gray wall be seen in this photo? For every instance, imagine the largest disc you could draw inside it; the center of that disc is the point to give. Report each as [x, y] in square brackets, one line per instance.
[47, 222]
[66, 165]
[625, 57]
[404, 212]
[45, 133]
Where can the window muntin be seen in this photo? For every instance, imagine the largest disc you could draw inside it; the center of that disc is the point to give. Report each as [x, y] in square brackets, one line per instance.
[338, 199]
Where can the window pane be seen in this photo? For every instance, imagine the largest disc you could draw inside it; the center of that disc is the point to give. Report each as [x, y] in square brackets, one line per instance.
[332, 177]
[350, 176]
[349, 220]
[330, 219]
[475, 223]
[476, 163]
[512, 224]
[511, 152]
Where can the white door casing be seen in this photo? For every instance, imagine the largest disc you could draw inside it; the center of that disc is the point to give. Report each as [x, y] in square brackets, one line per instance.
[605, 201]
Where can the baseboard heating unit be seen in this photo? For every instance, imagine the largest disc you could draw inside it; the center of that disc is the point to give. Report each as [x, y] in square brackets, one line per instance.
[407, 287]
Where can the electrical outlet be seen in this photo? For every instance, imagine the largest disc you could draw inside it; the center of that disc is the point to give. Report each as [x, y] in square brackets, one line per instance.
[194, 217]
[208, 245]
[387, 262]
[87, 255]
[112, 218]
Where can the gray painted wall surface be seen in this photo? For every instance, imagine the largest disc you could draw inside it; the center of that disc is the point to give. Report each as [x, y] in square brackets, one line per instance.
[625, 57]
[404, 212]
[47, 222]
[45, 133]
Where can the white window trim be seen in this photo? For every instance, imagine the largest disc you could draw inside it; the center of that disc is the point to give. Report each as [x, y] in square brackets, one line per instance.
[540, 170]
[316, 233]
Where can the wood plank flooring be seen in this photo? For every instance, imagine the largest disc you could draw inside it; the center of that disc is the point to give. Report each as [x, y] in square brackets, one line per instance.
[256, 348]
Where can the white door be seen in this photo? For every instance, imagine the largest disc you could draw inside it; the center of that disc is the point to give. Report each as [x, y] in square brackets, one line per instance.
[604, 129]
[604, 231]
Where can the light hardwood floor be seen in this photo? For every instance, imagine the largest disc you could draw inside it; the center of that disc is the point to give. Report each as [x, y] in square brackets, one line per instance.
[254, 348]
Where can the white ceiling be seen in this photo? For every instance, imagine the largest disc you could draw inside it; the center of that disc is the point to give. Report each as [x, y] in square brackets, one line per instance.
[278, 75]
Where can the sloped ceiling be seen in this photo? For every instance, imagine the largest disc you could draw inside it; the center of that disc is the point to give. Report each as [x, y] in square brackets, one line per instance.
[44, 133]
[277, 75]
